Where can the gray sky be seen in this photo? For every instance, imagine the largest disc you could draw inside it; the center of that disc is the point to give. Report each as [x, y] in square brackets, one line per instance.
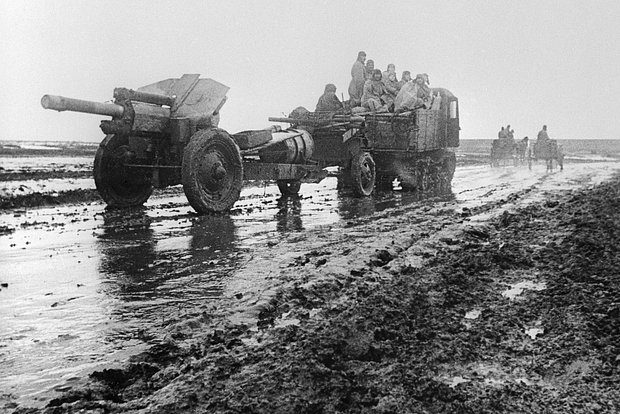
[525, 63]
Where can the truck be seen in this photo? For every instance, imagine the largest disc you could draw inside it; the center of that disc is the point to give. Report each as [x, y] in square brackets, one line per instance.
[373, 150]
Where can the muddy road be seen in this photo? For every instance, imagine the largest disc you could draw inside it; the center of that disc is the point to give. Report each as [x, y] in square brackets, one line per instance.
[84, 289]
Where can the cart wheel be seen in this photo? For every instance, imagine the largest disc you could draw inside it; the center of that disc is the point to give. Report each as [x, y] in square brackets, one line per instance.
[289, 187]
[363, 174]
[118, 185]
[212, 172]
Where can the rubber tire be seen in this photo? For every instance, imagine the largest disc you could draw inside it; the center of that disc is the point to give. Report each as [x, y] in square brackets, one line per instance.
[289, 187]
[363, 174]
[119, 186]
[212, 171]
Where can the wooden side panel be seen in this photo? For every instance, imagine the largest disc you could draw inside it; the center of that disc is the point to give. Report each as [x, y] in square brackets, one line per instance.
[429, 134]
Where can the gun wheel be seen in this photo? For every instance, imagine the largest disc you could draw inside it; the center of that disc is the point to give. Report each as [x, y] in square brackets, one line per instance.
[212, 172]
[119, 186]
[289, 187]
[363, 174]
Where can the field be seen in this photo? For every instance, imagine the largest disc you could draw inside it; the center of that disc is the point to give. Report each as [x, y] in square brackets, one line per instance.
[498, 297]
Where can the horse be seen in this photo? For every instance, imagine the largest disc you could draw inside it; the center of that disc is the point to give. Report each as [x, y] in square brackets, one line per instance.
[521, 150]
[550, 151]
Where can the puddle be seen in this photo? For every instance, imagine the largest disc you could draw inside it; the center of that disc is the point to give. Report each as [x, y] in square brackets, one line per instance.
[518, 288]
[533, 332]
[473, 314]
[284, 321]
[454, 381]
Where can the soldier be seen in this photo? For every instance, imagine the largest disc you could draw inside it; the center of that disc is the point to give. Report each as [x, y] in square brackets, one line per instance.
[542, 134]
[375, 94]
[404, 79]
[391, 68]
[390, 81]
[424, 91]
[510, 133]
[370, 68]
[502, 133]
[329, 102]
[358, 77]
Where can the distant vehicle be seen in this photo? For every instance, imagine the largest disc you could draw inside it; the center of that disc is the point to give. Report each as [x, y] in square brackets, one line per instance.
[503, 152]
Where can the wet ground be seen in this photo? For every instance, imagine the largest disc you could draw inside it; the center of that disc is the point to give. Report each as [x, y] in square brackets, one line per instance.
[84, 288]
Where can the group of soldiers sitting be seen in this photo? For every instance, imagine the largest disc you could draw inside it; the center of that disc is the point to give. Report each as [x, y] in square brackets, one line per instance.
[506, 136]
[376, 91]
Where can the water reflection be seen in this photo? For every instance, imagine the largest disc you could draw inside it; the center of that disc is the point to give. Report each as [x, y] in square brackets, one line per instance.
[140, 263]
[154, 269]
[128, 249]
[212, 237]
[351, 207]
[288, 217]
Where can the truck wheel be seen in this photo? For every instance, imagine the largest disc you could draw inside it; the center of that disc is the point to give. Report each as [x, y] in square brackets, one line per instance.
[289, 187]
[449, 166]
[118, 185]
[363, 174]
[212, 171]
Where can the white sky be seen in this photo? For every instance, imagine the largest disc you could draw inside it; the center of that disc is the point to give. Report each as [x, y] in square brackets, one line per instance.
[525, 63]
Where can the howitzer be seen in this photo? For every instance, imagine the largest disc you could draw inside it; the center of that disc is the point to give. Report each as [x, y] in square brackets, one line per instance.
[166, 133]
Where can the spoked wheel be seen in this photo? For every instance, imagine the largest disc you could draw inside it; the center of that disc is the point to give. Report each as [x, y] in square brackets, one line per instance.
[289, 187]
[363, 174]
[118, 185]
[212, 171]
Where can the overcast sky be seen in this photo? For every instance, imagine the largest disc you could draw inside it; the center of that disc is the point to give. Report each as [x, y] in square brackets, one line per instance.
[525, 63]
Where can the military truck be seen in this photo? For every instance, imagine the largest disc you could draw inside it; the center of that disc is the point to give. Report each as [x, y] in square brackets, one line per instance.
[415, 147]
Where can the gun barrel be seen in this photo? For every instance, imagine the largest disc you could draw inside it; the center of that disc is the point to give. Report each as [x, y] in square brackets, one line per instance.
[60, 103]
[318, 121]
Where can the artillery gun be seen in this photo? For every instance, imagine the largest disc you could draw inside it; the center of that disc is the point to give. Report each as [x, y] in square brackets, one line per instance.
[415, 147]
[166, 133]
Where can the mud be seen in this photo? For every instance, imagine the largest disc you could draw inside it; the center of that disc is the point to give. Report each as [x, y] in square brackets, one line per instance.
[501, 297]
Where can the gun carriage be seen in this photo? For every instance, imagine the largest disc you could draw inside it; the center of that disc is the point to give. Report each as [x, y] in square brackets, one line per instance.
[167, 133]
